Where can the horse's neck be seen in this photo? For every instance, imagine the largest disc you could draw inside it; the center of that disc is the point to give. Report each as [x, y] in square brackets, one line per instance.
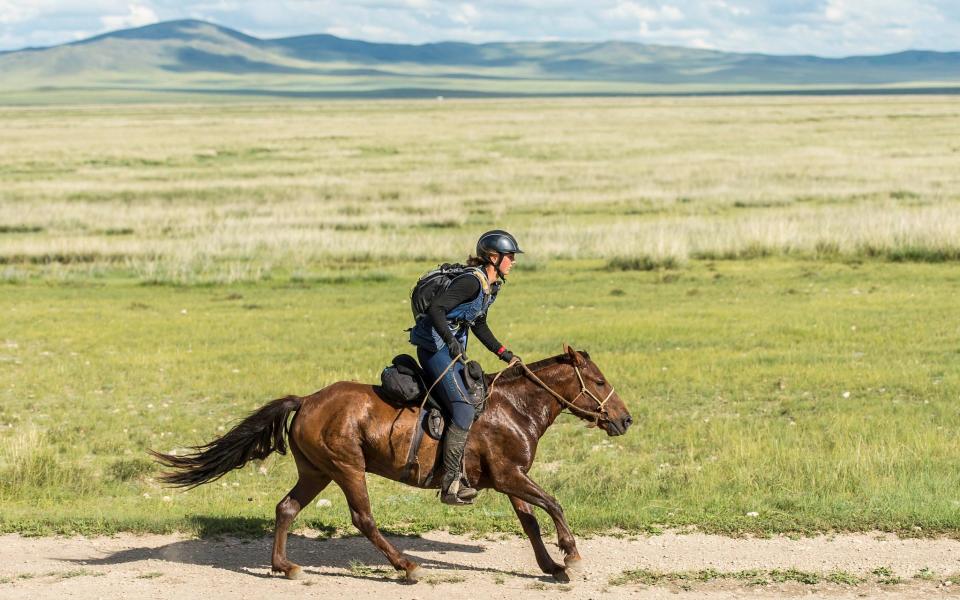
[534, 401]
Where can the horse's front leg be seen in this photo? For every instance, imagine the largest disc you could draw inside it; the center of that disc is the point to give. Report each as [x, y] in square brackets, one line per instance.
[532, 528]
[519, 485]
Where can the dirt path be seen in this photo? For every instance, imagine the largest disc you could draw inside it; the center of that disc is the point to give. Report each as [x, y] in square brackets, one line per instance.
[165, 566]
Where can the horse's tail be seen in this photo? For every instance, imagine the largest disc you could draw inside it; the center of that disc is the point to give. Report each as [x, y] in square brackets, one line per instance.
[256, 437]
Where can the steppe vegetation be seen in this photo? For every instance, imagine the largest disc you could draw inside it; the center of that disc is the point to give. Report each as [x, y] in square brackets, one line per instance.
[185, 194]
[770, 283]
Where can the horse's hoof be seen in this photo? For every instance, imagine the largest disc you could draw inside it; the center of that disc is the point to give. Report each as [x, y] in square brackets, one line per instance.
[294, 572]
[560, 576]
[574, 565]
[415, 574]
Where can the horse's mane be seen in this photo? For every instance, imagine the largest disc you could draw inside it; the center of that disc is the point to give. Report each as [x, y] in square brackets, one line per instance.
[516, 372]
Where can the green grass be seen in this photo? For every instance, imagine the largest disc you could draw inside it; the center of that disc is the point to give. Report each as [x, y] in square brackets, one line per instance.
[361, 570]
[434, 580]
[56, 575]
[752, 577]
[76, 573]
[843, 578]
[150, 575]
[769, 282]
[641, 263]
[821, 396]
[886, 576]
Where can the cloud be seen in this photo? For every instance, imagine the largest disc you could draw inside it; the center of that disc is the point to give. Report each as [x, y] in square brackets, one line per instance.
[137, 15]
[464, 14]
[16, 12]
[834, 11]
[824, 27]
[642, 12]
[733, 9]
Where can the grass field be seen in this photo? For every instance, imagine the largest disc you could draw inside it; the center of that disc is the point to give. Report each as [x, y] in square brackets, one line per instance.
[771, 285]
[201, 193]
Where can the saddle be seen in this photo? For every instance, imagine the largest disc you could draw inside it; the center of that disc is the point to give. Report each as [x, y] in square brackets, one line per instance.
[403, 382]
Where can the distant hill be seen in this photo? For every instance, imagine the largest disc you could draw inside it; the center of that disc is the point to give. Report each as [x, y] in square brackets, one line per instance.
[183, 59]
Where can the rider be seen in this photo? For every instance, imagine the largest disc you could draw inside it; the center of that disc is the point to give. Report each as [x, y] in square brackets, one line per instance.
[441, 336]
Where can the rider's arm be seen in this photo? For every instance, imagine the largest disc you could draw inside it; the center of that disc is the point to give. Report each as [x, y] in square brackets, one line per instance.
[486, 337]
[462, 289]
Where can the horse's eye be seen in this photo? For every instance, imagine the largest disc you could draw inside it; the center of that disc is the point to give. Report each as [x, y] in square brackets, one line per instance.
[601, 382]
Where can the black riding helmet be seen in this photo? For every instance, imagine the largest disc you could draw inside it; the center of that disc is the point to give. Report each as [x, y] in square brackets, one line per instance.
[498, 241]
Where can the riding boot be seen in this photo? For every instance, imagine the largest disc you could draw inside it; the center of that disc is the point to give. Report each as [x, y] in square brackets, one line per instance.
[452, 489]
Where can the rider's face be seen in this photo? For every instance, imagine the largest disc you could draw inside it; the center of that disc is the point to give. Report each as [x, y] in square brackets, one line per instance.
[507, 263]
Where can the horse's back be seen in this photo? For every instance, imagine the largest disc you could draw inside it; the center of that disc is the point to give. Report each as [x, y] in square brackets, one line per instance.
[338, 407]
[349, 421]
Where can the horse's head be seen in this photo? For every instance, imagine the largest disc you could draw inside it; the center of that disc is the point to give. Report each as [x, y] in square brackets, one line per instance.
[595, 399]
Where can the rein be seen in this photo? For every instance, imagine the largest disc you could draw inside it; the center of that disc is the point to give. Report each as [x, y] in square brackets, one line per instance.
[450, 366]
[596, 415]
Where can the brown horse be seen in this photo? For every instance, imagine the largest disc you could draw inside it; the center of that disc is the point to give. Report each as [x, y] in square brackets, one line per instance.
[348, 429]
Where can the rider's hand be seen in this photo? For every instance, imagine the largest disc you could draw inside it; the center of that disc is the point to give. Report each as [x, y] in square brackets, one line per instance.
[453, 346]
[506, 356]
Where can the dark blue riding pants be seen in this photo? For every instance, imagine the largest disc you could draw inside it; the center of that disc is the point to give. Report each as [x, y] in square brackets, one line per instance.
[451, 391]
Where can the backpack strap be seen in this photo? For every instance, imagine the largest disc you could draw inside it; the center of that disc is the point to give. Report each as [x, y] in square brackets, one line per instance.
[484, 282]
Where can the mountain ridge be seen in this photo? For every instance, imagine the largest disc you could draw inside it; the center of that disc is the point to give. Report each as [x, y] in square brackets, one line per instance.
[163, 26]
[174, 54]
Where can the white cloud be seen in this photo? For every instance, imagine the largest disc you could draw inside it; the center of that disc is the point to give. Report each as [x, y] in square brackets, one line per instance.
[626, 9]
[343, 32]
[16, 12]
[737, 11]
[671, 13]
[464, 14]
[137, 16]
[825, 27]
[632, 10]
[834, 11]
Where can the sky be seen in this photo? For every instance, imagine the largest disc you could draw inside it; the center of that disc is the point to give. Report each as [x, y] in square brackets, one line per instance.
[822, 27]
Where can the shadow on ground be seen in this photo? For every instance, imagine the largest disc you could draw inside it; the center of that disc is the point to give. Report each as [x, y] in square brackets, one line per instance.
[354, 556]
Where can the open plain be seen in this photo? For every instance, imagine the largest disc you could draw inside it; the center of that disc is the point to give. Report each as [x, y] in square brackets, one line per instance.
[771, 284]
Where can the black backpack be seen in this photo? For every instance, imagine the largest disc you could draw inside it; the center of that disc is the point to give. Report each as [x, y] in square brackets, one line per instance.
[402, 380]
[433, 283]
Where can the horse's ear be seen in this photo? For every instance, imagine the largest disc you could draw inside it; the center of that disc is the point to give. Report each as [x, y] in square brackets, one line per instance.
[575, 357]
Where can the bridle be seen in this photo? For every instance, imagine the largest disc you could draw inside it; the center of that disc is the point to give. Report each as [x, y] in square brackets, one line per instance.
[597, 415]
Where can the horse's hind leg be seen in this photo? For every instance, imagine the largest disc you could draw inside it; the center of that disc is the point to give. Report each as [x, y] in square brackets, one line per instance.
[532, 528]
[308, 486]
[354, 486]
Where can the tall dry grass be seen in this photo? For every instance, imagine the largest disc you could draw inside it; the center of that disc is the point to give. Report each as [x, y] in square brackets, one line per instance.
[227, 192]
[30, 464]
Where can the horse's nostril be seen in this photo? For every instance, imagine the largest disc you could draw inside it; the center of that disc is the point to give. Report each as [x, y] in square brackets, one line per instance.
[627, 422]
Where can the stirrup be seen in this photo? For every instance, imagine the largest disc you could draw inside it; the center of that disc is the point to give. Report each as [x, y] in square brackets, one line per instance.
[458, 494]
[454, 500]
[467, 493]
